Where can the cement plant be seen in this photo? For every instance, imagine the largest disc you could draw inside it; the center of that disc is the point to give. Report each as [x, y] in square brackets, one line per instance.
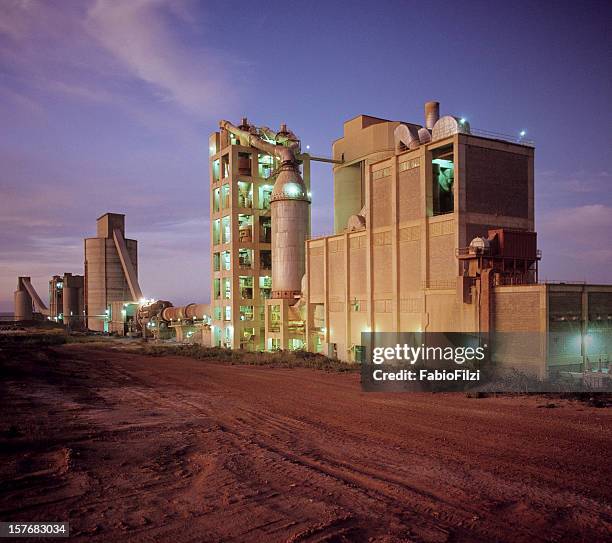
[434, 232]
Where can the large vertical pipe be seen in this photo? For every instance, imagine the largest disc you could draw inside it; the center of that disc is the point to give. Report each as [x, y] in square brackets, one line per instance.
[432, 114]
[289, 209]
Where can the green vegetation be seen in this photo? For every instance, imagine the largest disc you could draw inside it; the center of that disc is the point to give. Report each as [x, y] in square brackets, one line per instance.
[278, 359]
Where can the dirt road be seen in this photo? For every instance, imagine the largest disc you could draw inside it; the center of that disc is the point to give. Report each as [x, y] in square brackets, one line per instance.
[134, 448]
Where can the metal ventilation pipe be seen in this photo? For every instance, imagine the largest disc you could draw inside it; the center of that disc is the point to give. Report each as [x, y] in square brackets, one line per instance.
[432, 114]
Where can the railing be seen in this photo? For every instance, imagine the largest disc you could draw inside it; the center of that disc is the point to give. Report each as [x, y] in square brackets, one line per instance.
[560, 282]
[479, 251]
[521, 140]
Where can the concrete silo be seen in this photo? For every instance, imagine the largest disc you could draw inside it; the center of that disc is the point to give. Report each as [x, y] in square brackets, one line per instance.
[111, 270]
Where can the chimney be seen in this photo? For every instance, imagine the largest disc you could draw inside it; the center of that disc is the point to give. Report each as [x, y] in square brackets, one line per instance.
[432, 114]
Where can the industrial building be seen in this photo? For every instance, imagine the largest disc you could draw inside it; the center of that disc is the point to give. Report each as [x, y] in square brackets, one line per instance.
[111, 270]
[246, 163]
[434, 231]
[28, 304]
[66, 300]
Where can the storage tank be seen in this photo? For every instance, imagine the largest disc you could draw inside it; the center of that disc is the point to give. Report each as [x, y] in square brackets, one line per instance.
[23, 306]
[70, 304]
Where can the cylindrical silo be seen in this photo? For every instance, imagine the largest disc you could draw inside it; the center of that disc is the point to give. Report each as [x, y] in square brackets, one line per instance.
[289, 207]
[432, 114]
[105, 280]
[70, 304]
[23, 306]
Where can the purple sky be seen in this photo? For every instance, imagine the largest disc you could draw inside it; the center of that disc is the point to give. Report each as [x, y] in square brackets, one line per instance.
[107, 106]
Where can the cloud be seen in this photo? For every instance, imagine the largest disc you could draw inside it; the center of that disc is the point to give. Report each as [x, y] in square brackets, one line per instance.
[580, 224]
[576, 243]
[106, 51]
[145, 37]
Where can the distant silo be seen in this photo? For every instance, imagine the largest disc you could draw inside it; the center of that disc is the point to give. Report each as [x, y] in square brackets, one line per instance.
[23, 306]
[111, 269]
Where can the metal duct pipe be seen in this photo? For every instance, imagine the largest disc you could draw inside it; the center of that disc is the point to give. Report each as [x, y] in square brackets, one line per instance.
[284, 154]
[406, 137]
[189, 311]
[432, 114]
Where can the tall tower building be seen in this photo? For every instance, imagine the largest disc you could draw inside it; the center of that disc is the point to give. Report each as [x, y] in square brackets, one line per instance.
[111, 270]
[242, 178]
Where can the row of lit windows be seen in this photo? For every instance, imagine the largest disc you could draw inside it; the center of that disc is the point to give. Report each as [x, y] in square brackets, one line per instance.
[222, 231]
[246, 313]
[408, 164]
[379, 174]
[265, 166]
[222, 287]
[221, 196]
[222, 260]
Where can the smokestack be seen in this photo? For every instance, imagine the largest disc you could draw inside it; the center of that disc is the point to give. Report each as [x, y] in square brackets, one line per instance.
[432, 114]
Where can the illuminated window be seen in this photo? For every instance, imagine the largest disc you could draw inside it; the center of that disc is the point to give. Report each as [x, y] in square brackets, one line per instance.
[265, 194]
[379, 174]
[245, 228]
[216, 198]
[245, 258]
[246, 312]
[226, 230]
[226, 286]
[226, 260]
[408, 165]
[265, 166]
[443, 179]
[265, 287]
[245, 283]
[216, 231]
[215, 170]
[245, 194]
[225, 196]
[265, 229]
[225, 166]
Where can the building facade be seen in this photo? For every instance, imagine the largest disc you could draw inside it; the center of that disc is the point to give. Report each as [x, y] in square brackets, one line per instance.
[435, 233]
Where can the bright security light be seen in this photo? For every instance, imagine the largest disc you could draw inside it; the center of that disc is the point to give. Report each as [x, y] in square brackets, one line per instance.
[462, 120]
[523, 133]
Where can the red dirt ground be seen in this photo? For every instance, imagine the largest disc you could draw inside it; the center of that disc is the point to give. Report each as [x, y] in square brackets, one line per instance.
[134, 448]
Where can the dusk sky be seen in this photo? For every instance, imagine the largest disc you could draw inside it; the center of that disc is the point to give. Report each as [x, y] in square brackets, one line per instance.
[107, 106]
